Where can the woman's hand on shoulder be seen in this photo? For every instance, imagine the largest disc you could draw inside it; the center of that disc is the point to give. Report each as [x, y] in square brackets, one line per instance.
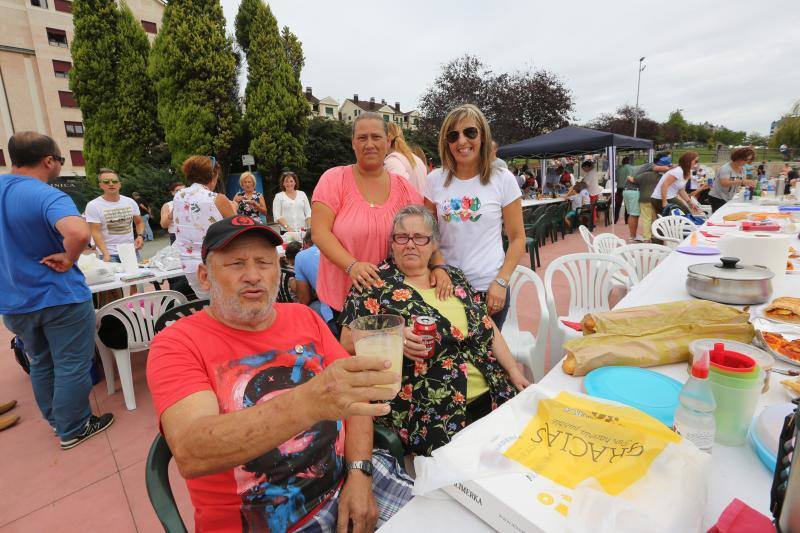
[443, 283]
[364, 275]
[413, 348]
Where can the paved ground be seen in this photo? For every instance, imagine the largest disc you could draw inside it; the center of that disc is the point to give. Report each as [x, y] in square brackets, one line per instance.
[99, 485]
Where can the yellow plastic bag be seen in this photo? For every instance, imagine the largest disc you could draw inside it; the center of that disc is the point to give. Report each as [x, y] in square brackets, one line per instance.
[571, 439]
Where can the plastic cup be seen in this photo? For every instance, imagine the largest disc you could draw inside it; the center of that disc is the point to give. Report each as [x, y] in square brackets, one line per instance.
[382, 336]
[736, 403]
[127, 256]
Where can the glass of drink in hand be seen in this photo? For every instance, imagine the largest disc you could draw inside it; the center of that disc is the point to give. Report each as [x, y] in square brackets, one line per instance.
[381, 336]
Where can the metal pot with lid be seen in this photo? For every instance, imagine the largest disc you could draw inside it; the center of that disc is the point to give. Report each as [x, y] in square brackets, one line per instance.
[729, 282]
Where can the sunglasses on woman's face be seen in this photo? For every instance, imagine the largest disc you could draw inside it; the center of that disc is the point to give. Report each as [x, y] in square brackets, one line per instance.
[470, 133]
[403, 238]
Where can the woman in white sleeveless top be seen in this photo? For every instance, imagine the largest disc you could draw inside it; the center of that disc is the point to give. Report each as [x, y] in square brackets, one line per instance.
[194, 209]
[290, 208]
[401, 160]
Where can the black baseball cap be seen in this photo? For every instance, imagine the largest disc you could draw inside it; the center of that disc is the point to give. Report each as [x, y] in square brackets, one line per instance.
[221, 233]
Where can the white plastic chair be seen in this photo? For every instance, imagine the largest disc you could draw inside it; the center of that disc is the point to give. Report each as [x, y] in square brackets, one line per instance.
[642, 257]
[591, 280]
[587, 237]
[138, 313]
[672, 229]
[606, 243]
[527, 349]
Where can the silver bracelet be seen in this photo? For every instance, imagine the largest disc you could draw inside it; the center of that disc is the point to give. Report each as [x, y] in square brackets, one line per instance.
[350, 267]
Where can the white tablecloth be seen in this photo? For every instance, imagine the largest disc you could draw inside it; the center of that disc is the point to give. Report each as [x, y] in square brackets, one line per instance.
[528, 202]
[736, 472]
[159, 276]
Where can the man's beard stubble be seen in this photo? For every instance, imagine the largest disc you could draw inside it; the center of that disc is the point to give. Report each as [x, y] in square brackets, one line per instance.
[228, 307]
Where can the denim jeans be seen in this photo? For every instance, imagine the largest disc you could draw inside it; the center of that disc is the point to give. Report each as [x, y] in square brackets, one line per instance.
[148, 232]
[60, 343]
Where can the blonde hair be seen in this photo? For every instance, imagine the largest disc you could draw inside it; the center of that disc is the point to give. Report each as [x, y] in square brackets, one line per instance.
[448, 161]
[246, 175]
[398, 142]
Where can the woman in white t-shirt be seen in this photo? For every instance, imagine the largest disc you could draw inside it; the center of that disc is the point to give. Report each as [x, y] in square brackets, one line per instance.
[473, 202]
[401, 160]
[290, 208]
[671, 188]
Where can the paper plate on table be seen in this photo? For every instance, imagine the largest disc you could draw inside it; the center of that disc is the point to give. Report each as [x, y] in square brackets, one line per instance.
[648, 391]
[697, 250]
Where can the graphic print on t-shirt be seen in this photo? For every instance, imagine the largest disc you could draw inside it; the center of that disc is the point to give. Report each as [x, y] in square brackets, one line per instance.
[118, 220]
[464, 209]
[282, 486]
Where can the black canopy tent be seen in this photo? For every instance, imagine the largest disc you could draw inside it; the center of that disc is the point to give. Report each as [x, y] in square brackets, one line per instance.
[574, 140]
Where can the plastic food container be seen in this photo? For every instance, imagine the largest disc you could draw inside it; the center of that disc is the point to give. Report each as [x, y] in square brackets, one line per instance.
[736, 403]
[764, 359]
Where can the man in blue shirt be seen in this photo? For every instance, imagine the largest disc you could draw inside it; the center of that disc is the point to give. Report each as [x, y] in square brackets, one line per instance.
[46, 301]
[306, 268]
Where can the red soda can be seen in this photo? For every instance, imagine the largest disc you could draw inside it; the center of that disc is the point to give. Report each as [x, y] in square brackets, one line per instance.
[425, 327]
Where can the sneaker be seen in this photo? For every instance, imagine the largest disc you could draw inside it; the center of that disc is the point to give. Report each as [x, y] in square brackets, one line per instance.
[639, 238]
[94, 425]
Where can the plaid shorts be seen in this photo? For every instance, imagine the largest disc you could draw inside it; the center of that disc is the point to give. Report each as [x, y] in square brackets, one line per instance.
[390, 485]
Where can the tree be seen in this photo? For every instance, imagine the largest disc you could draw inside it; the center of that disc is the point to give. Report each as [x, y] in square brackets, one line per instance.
[276, 109]
[243, 23]
[729, 137]
[193, 68]
[517, 105]
[294, 51]
[137, 121]
[621, 122]
[756, 139]
[428, 141]
[328, 144]
[93, 78]
[788, 130]
[675, 128]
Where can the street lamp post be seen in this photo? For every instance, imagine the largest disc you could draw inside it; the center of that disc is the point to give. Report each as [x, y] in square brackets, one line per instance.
[638, 83]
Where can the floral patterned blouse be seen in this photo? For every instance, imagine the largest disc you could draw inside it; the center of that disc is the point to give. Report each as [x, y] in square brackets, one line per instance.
[193, 211]
[432, 404]
[244, 208]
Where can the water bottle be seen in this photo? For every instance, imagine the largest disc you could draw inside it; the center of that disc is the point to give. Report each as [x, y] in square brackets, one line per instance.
[746, 194]
[694, 417]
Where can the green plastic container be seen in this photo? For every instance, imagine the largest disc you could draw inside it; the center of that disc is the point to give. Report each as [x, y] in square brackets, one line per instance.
[753, 374]
[736, 403]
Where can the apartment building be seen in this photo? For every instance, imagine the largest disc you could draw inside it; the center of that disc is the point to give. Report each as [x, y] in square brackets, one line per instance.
[327, 107]
[34, 73]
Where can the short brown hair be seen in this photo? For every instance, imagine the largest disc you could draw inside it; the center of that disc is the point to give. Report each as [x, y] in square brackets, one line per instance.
[175, 186]
[289, 174]
[743, 153]
[28, 148]
[198, 169]
[106, 170]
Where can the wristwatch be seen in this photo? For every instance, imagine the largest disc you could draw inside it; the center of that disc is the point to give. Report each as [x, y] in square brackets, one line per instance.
[139, 235]
[500, 281]
[364, 466]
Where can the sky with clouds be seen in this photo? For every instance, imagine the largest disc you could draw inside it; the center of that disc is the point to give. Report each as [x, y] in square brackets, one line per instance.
[732, 63]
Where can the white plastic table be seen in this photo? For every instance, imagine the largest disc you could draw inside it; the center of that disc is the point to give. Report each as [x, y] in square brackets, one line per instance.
[529, 202]
[159, 276]
[736, 471]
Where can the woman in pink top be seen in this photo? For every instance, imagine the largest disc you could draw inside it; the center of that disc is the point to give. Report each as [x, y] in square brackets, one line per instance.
[401, 160]
[352, 211]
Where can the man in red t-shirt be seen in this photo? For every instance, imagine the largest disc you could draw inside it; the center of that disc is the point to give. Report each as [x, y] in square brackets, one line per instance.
[254, 398]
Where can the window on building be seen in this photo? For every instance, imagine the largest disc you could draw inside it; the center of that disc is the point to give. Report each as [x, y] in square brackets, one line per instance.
[414, 121]
[39, 3]
[355, 113]
[65, 6]
[149, 27]
[57, 37]
[67, 99]
[74, 129]
[386, 118]
[2, 159]
[329, 111]
[61, 68]
[76, 156]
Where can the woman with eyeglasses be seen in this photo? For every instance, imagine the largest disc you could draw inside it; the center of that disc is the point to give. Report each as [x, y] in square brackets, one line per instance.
[473, 202]
[249, 202]
[351, 213]
[290, 208]
[194, 209]
[471, 370]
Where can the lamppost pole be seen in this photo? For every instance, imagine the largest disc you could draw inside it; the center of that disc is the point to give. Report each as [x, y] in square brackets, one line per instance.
[638, 83]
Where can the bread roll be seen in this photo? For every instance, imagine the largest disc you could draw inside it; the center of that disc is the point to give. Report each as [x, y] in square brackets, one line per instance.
[568, 366]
